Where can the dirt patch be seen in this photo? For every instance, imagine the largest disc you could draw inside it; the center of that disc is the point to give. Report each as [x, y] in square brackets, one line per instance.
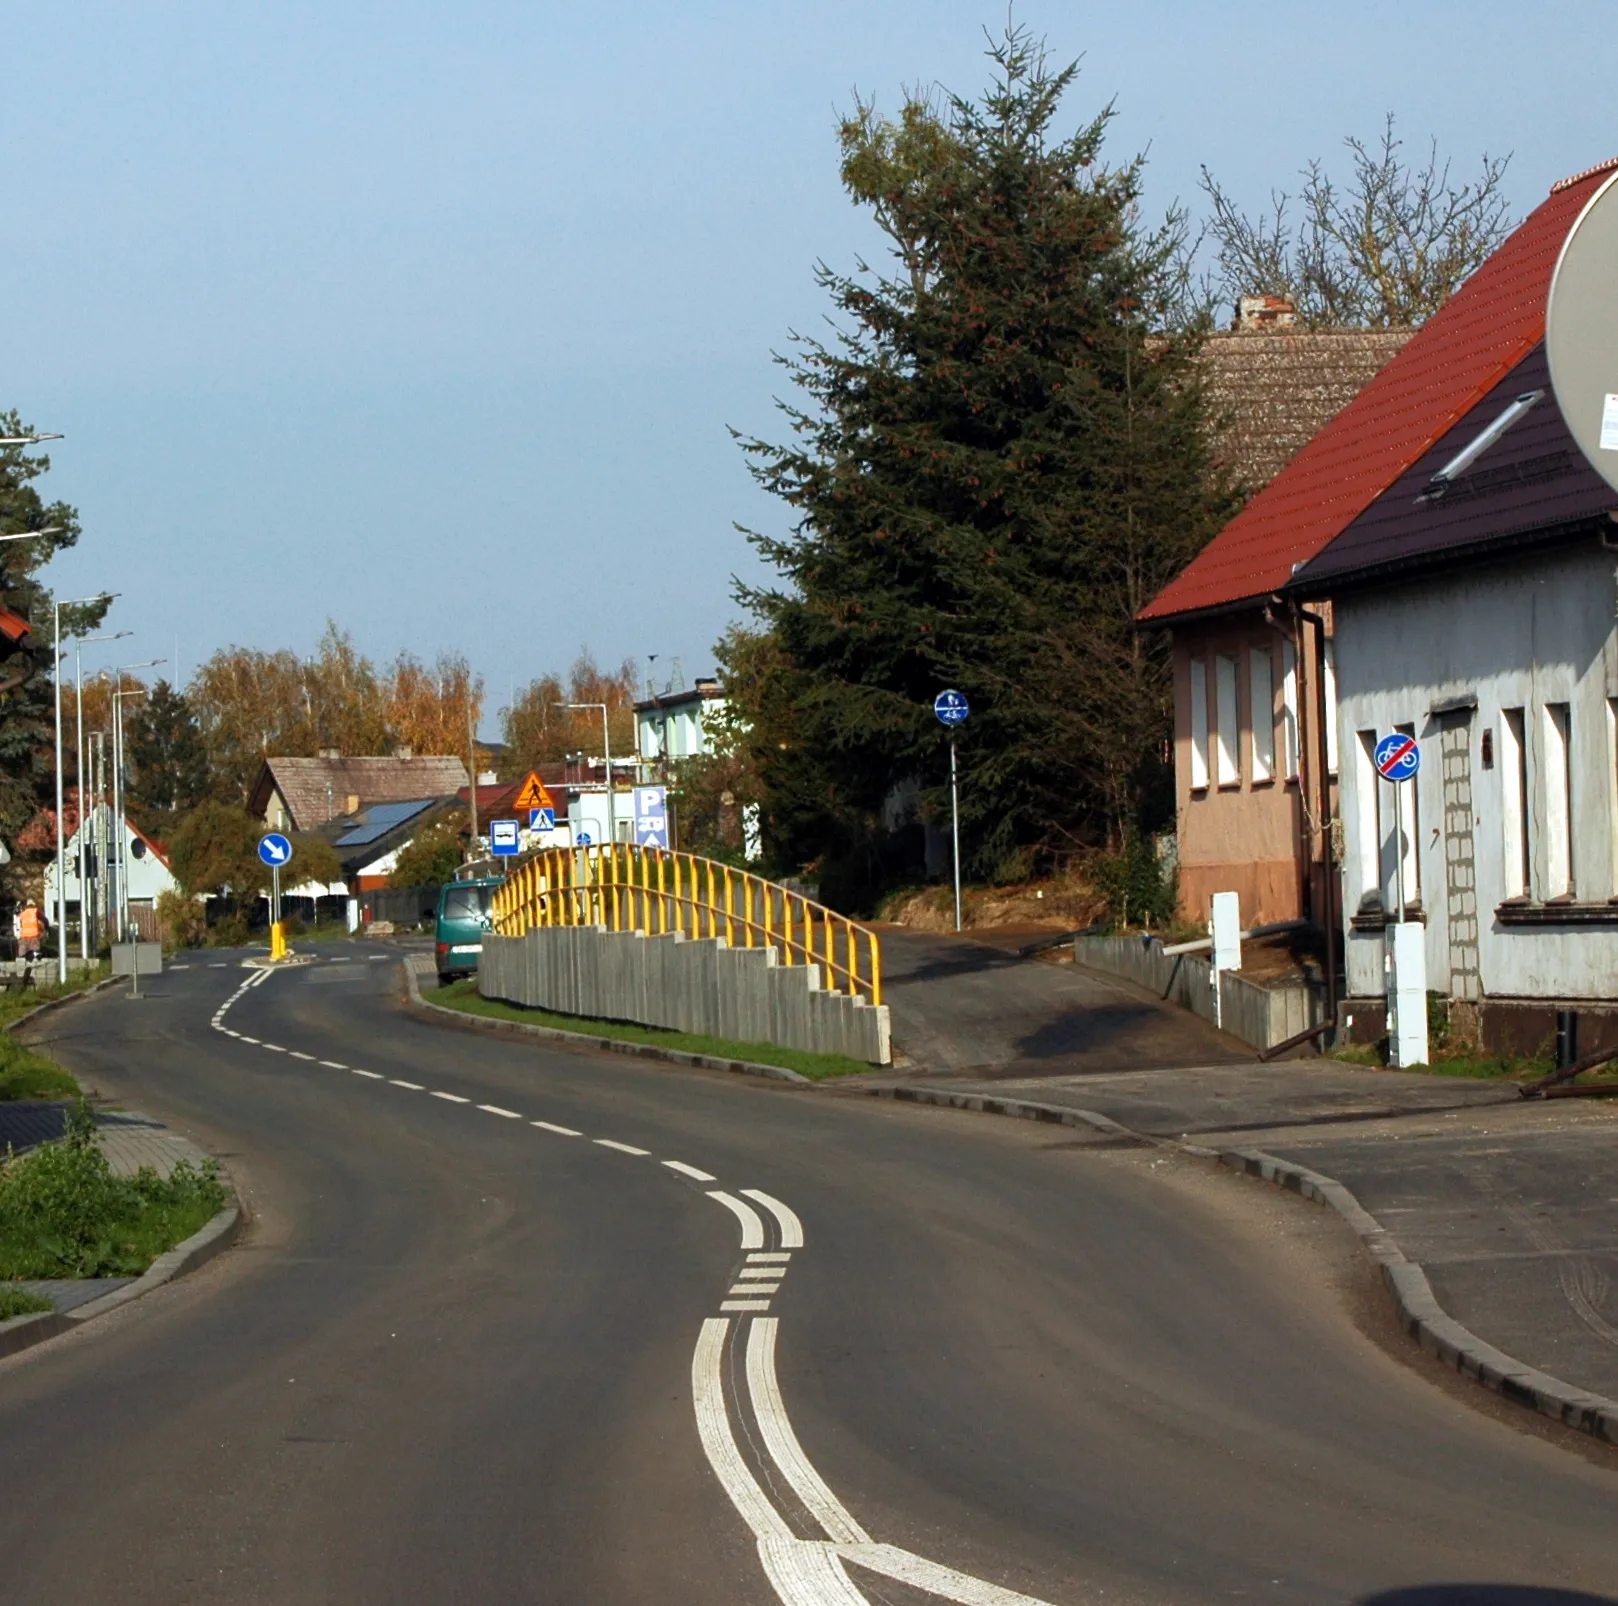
[1038, 905]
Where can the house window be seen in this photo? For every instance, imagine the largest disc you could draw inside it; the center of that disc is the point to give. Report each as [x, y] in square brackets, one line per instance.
[1227, 733]
[1408, 809]
[1558, 801]
[1199, 725]
[1514, 801]
[1289, 711]
[1369, 817]
[1261, 699]
[1328, 670]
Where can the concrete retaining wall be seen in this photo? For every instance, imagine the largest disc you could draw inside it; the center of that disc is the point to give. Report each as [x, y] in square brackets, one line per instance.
[743, 994]
[1258, 1015]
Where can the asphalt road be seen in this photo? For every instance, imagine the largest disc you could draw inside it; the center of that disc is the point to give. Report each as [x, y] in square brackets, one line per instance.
[461, 1357]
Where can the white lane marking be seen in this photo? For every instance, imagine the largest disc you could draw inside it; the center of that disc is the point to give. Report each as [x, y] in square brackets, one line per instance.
[298, 1054]
[453, 1098]
[415, 1087]
[719, 1444]
[179, 967]
[274, 1048]
[761, 1255]
[377, 959]
[745, 1290]
[229, 1031]
[791, 1227]
[375, 1076]
[905, 1568]
[334, 1065]
[561, 1131]
[744, 1304]
[246, 1039]
[762, 1271]
[494, 1109]
[623, 1148]
[807, 1574]
[689, 1171]
[219, 965]
[782, 1442]
[752, 1224]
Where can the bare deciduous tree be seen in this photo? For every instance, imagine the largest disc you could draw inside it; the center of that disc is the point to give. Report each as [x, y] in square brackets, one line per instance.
[1386, 249]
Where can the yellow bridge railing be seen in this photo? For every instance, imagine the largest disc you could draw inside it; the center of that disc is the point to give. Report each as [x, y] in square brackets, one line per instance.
[628, 888]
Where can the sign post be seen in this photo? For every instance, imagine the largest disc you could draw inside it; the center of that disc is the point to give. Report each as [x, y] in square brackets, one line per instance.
[275, 850]
[1397, 758]
[951, 708]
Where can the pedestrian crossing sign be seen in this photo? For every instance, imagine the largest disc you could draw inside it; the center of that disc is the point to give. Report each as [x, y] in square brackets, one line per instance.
[533, 794]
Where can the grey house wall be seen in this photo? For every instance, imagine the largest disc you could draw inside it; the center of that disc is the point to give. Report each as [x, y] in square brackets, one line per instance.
[1261, 1016]
[743, 994]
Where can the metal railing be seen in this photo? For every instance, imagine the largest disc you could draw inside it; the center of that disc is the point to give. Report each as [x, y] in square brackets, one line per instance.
[628, 888]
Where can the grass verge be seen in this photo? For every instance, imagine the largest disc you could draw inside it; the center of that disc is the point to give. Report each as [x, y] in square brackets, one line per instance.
[464, 996]
[13, 1004]
[25, 1073]
[63, 1213]
[1483, 1067]
[19, 1302]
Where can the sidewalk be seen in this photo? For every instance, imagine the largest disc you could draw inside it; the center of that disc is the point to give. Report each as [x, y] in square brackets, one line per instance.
[1507, 1204]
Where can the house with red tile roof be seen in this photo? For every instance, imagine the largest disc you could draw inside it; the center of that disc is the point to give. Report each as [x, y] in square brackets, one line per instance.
[1255, 722]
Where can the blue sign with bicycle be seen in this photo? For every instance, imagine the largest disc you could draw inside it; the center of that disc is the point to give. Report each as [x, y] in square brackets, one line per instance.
[1397, 757]
[951, 708]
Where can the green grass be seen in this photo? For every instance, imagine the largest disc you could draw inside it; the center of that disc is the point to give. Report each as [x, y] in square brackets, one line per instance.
[464, 995]
[63, 1213]
[15, 1003]
[19, 1302]
[1484, 1067]
[25, 1073]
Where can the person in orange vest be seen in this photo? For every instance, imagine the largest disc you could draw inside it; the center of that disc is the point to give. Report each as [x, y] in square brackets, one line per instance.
[31, 925]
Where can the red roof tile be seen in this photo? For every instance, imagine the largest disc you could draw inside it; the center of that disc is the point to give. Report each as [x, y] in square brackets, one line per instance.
[1453, 360]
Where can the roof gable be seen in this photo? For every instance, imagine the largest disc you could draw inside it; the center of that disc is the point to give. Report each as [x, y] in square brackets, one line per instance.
[1454, 359]
[1533, 478]
[316, 790]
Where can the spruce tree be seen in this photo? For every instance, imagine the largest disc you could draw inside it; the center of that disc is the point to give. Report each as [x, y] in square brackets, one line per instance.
[167, 757]
[995, 462]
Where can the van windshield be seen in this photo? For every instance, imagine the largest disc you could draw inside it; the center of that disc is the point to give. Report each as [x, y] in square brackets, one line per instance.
[467, 903]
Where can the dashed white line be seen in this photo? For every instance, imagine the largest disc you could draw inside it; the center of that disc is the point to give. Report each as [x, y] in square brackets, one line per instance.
[451, 1098]
[622, 1148]
[494, 1109]
[219, 965]
[246, 1039]
[334, 1065]
[689, 1171]
[274, 1048]
[752, 1224]
[415, 1087]
[744, 1304]
[769, 1254]
[764, 1272]
[750, 1290]
[791, 1227]
[560, 1131]
[374, 1076]
[298, 1054]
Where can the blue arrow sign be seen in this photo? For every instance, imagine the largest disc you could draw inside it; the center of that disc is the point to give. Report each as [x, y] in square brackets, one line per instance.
[1397, 757]
[274, 849]
[542, 819]
[951, 707]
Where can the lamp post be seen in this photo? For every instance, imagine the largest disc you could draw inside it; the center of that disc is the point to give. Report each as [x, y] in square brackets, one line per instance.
[606, 749]
[79, 643]
[57, 604]
[121, 845]
[29, 440]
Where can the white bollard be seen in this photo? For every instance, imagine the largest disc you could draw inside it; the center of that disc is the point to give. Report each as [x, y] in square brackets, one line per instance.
[1405, 967]
[1225, 927]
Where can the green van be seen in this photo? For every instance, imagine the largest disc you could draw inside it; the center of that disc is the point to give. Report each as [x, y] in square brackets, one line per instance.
[461, 923]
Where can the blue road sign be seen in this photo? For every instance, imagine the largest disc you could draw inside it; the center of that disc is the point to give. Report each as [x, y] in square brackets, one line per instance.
[583, 839]
[274, 849]
[951, 708]
[652, 816]
[1397, 757]
[503, 837]
[542, 819]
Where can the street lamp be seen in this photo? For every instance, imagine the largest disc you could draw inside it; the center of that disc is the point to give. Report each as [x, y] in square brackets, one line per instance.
[29, 440]
[28, 535]
[122, 845]
[79, 643]
[606, 749]
[57, 604]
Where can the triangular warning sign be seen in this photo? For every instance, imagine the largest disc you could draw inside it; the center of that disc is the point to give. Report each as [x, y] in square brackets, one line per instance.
[533, 794]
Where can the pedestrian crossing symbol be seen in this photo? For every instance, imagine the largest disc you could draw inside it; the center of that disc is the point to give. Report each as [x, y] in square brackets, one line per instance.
[533, 794]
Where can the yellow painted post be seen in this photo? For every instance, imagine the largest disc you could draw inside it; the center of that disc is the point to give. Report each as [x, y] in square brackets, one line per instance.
[730, 919]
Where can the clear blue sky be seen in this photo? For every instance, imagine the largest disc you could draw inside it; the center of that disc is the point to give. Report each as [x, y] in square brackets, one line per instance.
[431, 318]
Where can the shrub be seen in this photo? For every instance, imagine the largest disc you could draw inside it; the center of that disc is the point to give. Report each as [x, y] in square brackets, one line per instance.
[182, 921]
[1135, 886]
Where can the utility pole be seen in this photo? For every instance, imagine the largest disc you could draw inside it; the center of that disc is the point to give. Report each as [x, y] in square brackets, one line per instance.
[472, 770]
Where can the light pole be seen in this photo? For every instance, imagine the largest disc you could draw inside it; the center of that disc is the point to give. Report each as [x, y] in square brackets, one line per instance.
[606, 749]
[57, 604]
[121, 845]
[79, 643]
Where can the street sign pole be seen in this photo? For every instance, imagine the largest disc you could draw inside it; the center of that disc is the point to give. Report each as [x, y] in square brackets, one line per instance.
[955, 829]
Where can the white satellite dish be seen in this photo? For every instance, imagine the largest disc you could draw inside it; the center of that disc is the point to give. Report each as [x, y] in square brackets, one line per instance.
[1581, 331]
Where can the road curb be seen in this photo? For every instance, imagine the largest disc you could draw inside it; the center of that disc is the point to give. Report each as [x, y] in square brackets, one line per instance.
[613, 1045]
[1419, 1311]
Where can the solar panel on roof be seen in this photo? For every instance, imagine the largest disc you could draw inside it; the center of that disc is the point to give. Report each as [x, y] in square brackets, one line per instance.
[379, 819]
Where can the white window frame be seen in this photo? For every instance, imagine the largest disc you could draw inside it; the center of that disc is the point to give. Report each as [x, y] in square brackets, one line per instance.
[1556, 735]
[1289, 711]
[1516, 861]
[1227, 721]
[1261, 702]
[1199, 724]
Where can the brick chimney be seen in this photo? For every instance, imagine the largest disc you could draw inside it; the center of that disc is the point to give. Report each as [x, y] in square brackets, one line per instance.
[1264, 312]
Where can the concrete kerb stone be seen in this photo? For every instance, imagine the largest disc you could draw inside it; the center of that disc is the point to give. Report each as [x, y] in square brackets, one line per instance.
[614, 1045]
[1419, 1311]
